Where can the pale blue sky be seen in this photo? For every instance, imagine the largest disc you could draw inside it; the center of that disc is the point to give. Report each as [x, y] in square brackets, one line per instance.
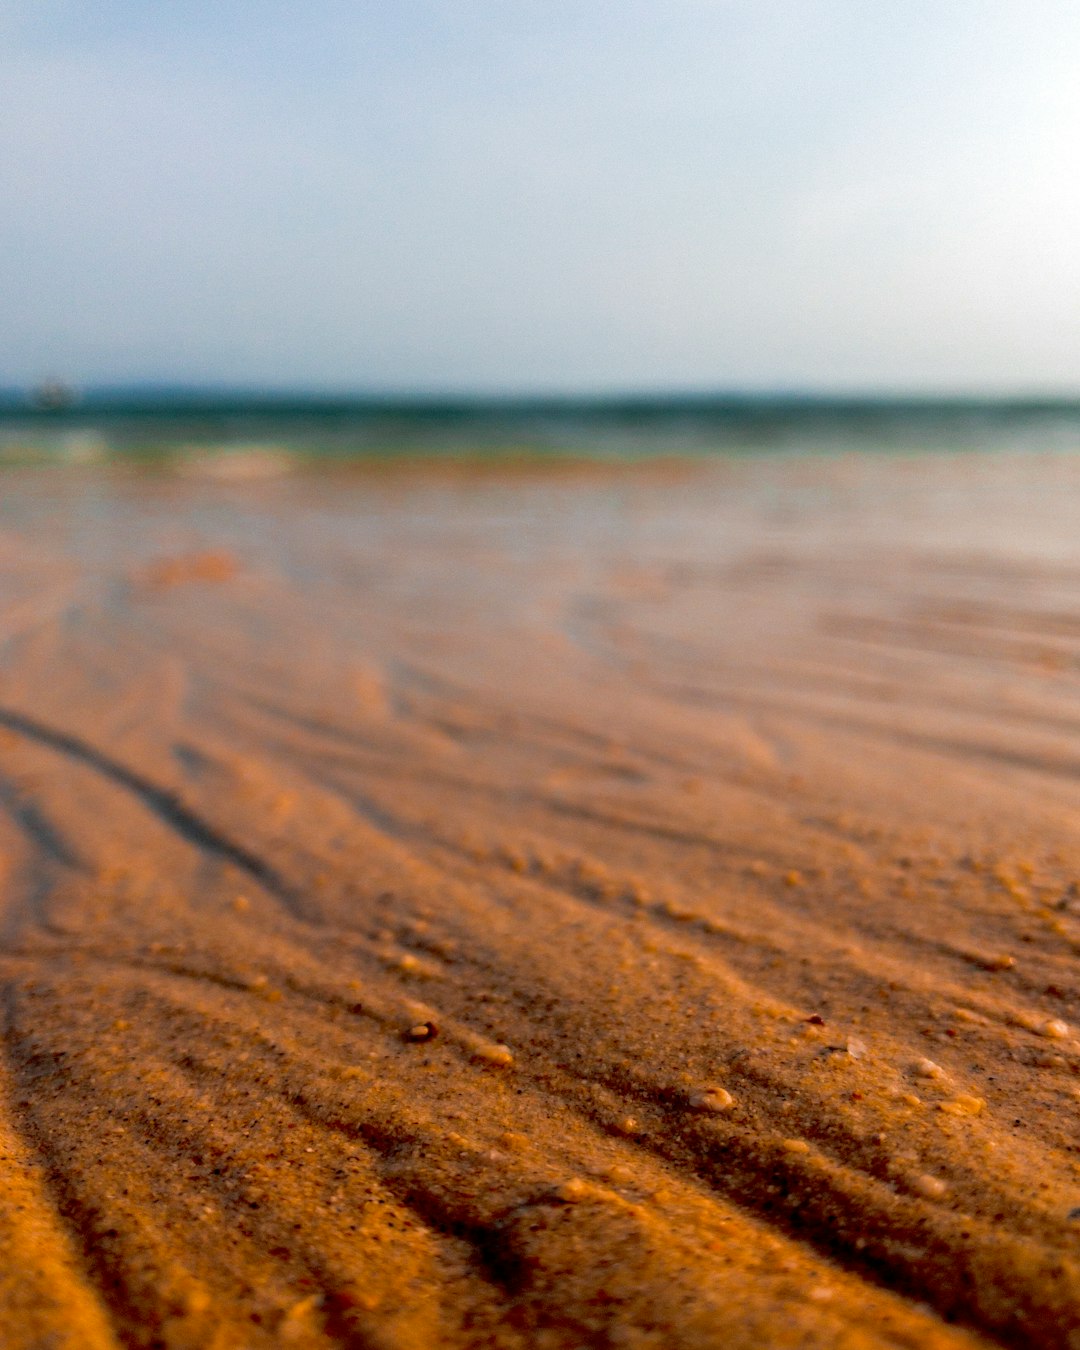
[539, 194]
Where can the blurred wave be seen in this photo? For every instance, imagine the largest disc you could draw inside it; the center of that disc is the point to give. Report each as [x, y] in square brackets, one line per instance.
[239, 436]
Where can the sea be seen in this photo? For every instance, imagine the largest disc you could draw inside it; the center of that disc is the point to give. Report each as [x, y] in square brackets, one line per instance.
[254, 433]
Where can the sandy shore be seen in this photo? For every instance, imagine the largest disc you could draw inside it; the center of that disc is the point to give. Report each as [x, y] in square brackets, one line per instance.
[616, 908]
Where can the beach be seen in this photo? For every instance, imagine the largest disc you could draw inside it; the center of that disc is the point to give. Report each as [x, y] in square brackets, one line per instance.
[604, 904]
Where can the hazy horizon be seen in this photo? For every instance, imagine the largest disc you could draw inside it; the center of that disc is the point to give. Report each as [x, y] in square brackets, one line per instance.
[151, 390]
[526, 199]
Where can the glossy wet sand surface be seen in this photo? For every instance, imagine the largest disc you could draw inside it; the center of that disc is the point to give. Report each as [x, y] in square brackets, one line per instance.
[630, 907]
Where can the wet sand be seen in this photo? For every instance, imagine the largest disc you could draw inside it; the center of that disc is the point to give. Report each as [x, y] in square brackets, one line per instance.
[617, 907]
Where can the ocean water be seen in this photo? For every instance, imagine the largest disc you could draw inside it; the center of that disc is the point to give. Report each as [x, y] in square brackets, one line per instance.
[238, 435]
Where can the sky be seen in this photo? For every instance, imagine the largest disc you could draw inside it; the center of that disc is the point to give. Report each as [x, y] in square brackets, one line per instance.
[542, 195]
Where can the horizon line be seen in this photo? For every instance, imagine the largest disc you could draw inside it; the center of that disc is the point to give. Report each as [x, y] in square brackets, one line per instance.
[79, 394]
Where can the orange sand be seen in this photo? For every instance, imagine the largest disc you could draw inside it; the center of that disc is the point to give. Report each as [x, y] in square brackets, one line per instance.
[624, 908]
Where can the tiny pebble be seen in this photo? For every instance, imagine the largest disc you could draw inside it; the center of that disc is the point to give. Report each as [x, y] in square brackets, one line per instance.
[628, 1125]
[1054, 1029]
[933, 1188]
[571, 1190]
[926, 1068]
[1074, 1213]
[796, 1146]
[962, 1106]
[422, 1031]
[494, 1054]
[856, 1048]
[297, 1313]
[620, 1175]
[712, 1099]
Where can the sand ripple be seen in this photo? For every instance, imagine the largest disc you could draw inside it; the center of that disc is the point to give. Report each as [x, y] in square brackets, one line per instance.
[694, 815]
